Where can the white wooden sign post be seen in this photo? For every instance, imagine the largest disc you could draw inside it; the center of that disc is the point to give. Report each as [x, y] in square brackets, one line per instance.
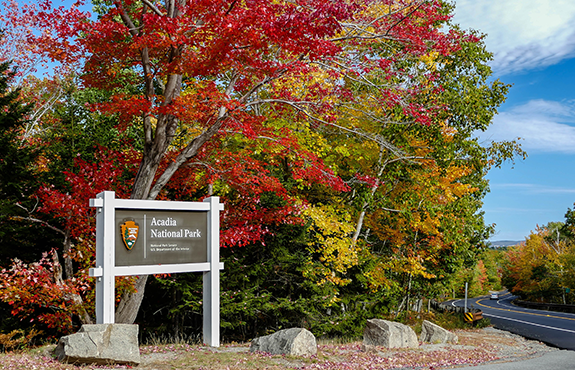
[143, 237]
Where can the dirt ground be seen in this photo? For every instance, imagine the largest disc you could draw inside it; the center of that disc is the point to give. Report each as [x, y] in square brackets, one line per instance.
[475, 347]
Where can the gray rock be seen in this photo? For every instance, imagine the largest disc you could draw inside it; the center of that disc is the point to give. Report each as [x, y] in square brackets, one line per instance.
[433, 333]
[389, 334]
[294, 342]
[100, 344]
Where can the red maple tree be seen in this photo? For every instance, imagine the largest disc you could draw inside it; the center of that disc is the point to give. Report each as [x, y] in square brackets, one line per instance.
[195, 75]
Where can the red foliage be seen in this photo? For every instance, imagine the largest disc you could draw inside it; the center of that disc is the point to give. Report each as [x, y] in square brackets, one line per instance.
[217, 68]
[36, 293]
[111, 171]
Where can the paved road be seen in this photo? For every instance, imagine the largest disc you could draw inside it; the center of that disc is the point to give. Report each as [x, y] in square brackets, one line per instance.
[554, 328]
[558, 360]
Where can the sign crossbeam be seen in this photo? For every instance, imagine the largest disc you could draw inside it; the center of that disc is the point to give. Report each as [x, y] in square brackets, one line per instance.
[155, 269]
[144, 237]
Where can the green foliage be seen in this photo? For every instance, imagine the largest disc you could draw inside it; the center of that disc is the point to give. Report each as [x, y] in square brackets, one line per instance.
[17, 177]
[79, 132]
[17, 184]
[483, 276]
[262, 291]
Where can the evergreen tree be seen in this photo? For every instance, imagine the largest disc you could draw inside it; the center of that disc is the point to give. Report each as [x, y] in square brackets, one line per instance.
[18, 178]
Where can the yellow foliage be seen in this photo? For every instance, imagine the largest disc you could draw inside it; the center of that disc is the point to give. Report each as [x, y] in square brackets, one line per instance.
[430, 60]
[300, 84]
[331, 240]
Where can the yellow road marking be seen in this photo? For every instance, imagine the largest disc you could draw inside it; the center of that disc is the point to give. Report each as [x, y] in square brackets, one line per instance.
[523, 312]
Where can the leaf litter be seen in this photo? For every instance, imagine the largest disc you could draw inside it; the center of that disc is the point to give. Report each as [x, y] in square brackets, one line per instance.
[475, 347]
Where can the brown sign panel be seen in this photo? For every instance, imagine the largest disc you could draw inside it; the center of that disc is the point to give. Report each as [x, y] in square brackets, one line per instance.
[160, 237]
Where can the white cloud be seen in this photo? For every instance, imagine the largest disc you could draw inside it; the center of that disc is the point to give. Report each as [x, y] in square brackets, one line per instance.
[531, 189]
[523, 34]
[543, 126]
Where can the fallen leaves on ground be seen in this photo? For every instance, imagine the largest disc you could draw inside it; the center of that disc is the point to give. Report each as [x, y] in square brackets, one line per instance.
[475, 347]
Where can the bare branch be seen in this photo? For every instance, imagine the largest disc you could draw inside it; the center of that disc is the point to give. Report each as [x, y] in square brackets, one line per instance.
[33, 219]
[360, 31]
[153, 7]
[38, 114]
[297, 105]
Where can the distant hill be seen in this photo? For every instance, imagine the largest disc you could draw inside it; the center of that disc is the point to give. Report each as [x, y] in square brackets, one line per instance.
[504, 243]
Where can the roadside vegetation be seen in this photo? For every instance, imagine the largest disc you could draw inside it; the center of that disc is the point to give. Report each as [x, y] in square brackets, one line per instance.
[542, 268]
[338, 134]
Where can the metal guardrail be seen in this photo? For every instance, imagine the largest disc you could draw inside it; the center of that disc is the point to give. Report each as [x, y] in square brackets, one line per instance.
[557, 307]
[443, 307]
[472, 316]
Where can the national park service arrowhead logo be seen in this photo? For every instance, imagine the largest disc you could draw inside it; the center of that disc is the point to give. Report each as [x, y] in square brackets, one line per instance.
[129, 230]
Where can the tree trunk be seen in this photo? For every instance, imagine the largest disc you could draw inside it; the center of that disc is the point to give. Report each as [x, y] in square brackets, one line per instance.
[74, 297]
[129, 306]
[68, 265]
[158, 138]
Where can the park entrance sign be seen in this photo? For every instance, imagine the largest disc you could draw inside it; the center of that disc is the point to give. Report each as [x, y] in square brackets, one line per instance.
[143, 237]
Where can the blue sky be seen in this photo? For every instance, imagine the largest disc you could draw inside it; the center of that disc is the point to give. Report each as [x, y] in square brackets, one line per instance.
[533, 42]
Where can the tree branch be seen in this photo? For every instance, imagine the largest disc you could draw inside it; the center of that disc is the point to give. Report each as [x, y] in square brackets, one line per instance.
[153, 8]
[32, 219]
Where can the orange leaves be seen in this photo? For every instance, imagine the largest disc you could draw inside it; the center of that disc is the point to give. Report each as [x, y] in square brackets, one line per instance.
[542, 265]
[482, 274]
[427, 225]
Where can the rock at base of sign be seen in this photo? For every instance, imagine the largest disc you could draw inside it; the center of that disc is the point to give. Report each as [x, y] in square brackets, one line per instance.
[433, 333]
[389, 334]
[294, 342]
[101, 344]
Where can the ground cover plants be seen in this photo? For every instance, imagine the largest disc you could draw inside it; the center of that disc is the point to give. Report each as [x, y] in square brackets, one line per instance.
[333, 353]
[475, 346]
[237, 356]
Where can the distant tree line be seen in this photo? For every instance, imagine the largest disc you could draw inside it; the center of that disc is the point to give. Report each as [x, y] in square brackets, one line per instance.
[542, 268]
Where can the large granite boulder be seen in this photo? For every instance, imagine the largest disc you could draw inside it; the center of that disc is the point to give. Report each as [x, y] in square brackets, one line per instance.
[100, 344]
[388, 334]
[294, 342]
[433, 333]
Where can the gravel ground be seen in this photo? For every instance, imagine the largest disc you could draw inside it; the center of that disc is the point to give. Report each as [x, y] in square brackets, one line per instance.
[508, 347]
[475, 347]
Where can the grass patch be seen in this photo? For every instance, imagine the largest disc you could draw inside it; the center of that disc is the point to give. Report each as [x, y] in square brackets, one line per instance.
[447, 320]
[160, 340]
[225, 360]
